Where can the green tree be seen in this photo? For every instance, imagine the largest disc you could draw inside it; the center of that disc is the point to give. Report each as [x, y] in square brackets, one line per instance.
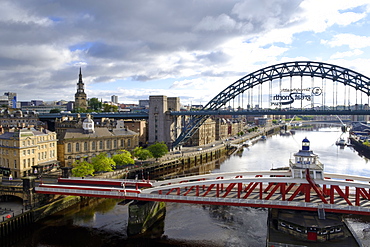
[158, 149]
[110, 108]
[79, 110]
[102, 163]
[95, 104]
[142, 154]
[123, 158]
[55, 110]
[82, 169]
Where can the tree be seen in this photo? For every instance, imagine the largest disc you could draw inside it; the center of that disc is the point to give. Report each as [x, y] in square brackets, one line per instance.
[82, 169]
[158, 149]
[123, 158]
[102, 163]
[110, 108]
[55, 110]
[142, 154]
[95, 104]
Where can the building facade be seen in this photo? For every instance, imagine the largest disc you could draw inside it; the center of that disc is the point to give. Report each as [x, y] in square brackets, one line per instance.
[80, 96]
[162, 126]
[84, 143]
[18, 119]
[206, 134]
[28, 151]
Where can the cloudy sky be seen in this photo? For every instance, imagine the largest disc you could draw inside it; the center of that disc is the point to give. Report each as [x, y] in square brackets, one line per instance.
[190, 49]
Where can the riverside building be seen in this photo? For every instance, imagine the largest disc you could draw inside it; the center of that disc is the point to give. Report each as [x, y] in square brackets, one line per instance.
[28, 151]
[85, 142]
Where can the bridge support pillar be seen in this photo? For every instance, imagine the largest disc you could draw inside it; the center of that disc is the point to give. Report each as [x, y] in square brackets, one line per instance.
[29, 191]
[66, 172]
[143, 215]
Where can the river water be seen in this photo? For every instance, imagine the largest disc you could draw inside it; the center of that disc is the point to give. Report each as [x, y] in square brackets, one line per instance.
[105, 223]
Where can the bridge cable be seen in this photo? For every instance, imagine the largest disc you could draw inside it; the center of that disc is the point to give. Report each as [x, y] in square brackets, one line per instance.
[291, 82]
[270, 92]
[280, 81]
[313, 97]
[301, 92]
[345, 97]
[323, 85]
[336, 95]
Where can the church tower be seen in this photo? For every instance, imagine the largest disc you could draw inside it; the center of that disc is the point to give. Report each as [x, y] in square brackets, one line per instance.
[80, 96]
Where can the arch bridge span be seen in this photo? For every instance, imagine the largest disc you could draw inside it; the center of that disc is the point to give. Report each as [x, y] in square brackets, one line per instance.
[346, 77]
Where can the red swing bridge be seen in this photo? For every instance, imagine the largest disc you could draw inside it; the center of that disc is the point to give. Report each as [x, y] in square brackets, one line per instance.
[302, 186]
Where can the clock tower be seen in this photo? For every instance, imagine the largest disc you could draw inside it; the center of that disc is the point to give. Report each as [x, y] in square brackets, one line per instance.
[80, 96]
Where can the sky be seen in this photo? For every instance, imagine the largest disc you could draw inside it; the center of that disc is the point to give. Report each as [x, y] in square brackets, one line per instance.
[190, 49]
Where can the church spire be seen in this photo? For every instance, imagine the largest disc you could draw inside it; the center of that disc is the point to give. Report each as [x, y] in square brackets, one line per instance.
[80, 84]
[80, 96]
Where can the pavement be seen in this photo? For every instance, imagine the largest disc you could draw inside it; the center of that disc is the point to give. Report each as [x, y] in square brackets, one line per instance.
[10, 208]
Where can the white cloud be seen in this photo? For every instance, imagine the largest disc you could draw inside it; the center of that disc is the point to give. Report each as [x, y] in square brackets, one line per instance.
[352, 40]
[180, 48]
[346, 54]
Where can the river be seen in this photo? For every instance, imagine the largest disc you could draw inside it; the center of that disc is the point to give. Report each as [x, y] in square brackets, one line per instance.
[104, 224]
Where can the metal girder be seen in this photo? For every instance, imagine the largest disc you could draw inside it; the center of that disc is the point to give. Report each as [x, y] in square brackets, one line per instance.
[332, 72]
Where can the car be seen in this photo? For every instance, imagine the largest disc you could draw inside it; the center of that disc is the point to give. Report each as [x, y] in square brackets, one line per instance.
[199, 149]
[213, 145]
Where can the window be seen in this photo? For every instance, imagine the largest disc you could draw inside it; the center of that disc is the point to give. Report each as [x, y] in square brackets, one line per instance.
[122, 143]
[69, 147]
[77, 147]
[24, 163]
[15, 163]
[108, 144]
[129, 142]
[85, 146]
[115, 144]
[93, 145]
[29, 162]
[101, 145]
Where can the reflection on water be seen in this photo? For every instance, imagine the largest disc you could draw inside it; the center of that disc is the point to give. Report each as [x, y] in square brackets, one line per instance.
[105, 224]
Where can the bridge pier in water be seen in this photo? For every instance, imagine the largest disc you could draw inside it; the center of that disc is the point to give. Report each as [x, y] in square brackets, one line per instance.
[143, 215]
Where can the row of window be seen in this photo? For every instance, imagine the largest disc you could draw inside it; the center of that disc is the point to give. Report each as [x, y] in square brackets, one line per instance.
[28, 142]
[28, 162]
[97, 145]
[18, 121]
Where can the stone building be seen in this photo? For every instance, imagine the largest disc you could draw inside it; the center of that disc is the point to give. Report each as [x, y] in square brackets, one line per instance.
[83, 143]
[80, 96]
[162, 126]
[18, 119]
[140, 127]
[28, 151]
[206, 134]
[221, 129]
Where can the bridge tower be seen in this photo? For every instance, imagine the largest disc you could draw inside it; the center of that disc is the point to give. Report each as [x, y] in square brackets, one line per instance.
[304, 160]
[162, 126]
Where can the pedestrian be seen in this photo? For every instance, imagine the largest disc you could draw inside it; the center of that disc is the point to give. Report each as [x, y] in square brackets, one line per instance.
[10, 177]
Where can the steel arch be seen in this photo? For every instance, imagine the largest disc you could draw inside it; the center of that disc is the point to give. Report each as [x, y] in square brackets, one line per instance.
[336, 73]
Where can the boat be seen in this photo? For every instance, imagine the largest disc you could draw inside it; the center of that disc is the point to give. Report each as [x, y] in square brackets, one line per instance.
[263, 138]
[341, 142]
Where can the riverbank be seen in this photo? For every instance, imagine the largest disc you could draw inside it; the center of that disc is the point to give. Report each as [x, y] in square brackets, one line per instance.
[190, 158]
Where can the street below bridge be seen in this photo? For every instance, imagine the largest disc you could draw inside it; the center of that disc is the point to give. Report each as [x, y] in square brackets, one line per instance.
[221, 225]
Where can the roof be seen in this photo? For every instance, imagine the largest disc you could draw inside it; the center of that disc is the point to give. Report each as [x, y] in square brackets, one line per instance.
[24, 133]
[98, 132]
